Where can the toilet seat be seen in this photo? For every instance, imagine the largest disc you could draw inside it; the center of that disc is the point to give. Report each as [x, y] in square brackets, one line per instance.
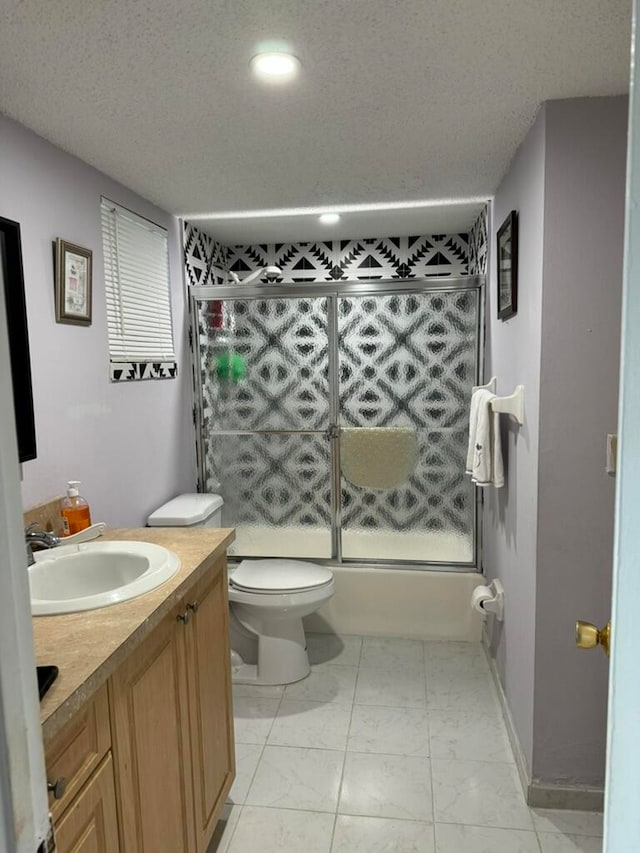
[278, 577]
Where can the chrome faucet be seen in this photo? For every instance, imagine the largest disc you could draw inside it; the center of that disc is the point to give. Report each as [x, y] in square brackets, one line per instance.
[34, 536]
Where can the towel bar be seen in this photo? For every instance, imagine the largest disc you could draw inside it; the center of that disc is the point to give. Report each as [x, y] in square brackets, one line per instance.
[512, 405]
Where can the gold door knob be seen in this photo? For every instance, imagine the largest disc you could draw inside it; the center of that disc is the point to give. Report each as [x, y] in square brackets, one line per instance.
[588, 636]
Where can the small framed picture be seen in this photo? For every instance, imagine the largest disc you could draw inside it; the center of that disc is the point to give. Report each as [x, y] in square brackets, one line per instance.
[508, 266]
[73, 283]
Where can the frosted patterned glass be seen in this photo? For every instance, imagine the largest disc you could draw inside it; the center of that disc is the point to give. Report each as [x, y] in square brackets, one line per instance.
[277, 493]
[264, 364]
[409, 361]
[430, 518]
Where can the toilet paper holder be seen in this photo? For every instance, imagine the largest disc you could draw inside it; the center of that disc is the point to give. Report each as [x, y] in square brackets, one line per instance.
[489, 599]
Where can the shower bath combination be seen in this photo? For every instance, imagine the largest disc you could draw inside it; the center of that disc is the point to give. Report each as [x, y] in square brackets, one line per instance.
[333, 417]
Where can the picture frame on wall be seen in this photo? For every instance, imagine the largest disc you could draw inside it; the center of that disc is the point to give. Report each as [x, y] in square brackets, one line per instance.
[73, 279]
[507, 255]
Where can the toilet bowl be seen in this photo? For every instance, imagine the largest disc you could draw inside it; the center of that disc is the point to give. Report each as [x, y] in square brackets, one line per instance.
[267, 600]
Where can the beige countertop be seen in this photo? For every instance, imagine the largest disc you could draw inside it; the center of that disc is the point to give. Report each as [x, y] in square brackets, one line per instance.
[88, 647]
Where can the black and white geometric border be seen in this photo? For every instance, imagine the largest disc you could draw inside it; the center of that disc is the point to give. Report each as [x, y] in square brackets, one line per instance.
[134, 370]
[205, 259]
[366, 259]
[478, 244]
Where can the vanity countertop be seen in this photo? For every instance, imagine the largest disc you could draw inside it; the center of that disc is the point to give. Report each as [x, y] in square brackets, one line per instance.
[88, 647]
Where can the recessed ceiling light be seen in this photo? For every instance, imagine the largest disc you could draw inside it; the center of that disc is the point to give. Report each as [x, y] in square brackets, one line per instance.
[275, 67]
[329, 218]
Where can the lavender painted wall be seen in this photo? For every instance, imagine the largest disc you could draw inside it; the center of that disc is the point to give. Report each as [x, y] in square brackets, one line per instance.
[130, 443]
[549, 534]
[581, 306]
[513, 355]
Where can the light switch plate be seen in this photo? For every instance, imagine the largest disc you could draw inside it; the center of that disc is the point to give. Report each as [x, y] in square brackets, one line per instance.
[612, 450]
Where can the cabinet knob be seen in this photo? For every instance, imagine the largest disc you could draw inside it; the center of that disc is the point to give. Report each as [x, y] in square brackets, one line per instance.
[57, 788]
[193, 607]
[588, 636]
[184, 617]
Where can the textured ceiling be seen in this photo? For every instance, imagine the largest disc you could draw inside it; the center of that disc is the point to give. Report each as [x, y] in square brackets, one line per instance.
[405, 100]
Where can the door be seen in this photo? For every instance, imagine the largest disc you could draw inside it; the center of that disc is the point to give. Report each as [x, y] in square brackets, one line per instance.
[622, 815]
[407, 366]
[263, 367]
[210, 709]
[151, 744]
[301, 396]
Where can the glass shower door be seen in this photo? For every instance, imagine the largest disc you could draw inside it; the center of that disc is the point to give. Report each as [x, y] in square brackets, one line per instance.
[264, 422]
[406, 365]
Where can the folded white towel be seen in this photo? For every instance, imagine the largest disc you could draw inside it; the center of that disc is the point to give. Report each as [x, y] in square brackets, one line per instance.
[484, 454]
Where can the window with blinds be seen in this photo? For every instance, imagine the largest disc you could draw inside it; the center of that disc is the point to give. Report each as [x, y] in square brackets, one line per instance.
[136, 270]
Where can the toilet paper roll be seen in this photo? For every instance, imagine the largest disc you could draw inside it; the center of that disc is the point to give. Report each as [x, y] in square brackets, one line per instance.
[479, 595]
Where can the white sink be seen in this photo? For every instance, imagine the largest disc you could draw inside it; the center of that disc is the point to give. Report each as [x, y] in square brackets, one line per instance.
[71, 578]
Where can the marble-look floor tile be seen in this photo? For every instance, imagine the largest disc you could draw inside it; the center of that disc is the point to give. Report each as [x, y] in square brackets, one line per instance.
[323, 725]
[225, 828]
[395, 786]
[454, 838]
[247, 757]
[390, 653]
[392, 731]
[479, 793]
[258, 691]
[325, 683]
[253, 718]
[261, 830]
[333, 648]
[551, 842]
[461, 692]
[293, 778]
[459, 665]
[394, 688]
[571, 822]
[381, 835]
[468, 735]
[445, 649]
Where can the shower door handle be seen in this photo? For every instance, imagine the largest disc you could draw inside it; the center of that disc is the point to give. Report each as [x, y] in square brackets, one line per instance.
[332, 431]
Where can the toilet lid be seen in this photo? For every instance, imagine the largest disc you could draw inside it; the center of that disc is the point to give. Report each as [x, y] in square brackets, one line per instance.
[279, 575]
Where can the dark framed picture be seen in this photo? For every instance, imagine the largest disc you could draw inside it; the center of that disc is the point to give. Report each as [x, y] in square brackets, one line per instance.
[73, 283]
[508, 266]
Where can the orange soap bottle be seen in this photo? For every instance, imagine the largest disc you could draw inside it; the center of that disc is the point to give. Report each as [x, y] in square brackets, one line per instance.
[75, 511]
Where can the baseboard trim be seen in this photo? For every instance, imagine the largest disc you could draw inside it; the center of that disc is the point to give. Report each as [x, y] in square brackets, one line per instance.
[540, 794]
[521, 761]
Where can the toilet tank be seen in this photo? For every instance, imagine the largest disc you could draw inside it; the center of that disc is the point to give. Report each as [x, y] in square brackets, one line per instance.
[192, 510]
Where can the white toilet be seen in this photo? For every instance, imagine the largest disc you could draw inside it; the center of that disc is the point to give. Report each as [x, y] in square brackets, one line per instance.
[268, 600]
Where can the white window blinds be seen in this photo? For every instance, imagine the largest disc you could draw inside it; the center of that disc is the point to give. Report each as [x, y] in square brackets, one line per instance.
[136, 269]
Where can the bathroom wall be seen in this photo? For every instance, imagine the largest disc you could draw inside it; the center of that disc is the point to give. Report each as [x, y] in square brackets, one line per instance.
[130, 442]
[548, 534]
[581, 305]
[513, 355]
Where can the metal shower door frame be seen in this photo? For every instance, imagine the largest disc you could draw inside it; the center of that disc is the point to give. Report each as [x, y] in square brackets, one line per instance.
[333, 291]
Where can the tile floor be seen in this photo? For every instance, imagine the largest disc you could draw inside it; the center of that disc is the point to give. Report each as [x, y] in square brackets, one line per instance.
[389, 746]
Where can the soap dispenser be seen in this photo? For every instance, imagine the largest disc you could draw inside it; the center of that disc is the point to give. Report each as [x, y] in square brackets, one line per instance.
[76, 515]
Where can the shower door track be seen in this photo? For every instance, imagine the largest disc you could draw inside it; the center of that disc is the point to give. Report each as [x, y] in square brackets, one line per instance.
[334, 290]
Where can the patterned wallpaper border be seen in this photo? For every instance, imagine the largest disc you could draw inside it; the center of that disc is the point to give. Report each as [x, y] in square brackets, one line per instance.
[207, 261]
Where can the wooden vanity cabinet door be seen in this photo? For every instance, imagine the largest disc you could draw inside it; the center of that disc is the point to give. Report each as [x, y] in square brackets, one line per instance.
[210, 707]
[150, 730]
[90, 823]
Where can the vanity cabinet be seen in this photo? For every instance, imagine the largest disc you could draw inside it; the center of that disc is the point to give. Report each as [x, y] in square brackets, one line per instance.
[81, 783]
[172, 726]
[147, 763]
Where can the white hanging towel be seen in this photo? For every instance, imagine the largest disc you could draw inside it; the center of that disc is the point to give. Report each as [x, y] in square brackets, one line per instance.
[484, 454]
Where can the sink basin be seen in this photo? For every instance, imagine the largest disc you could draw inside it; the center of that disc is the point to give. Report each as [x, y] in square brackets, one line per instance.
[71, 578]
